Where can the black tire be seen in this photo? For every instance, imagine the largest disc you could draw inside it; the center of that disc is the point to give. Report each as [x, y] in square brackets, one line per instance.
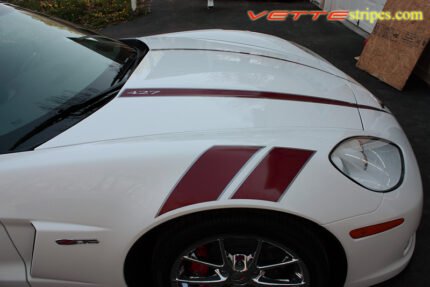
[288, 232]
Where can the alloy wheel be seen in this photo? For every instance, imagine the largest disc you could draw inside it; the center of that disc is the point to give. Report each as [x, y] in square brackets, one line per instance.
[238, 261]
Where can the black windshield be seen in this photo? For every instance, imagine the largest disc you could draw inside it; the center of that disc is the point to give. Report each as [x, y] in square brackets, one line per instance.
[46, 67]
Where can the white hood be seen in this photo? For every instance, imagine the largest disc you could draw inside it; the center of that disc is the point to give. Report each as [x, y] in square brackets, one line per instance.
[181, 63]
[243, 42]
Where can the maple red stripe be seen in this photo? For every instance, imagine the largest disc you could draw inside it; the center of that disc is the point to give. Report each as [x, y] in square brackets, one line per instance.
[170, 92]
[208, 176]
[271, 178]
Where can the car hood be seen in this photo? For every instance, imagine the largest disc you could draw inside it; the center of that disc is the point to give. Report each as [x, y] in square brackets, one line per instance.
[188, 85]
[243, 42]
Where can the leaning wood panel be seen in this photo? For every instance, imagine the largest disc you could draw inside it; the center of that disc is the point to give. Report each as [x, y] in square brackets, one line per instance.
[394, 47]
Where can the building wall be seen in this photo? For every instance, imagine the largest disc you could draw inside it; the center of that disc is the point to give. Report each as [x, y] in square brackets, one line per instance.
[352, 5]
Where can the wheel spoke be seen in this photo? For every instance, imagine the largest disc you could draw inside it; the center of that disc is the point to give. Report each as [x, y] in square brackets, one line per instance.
[196, 260]
[258, 252]
[223, 252]
[214, 280]
[277, 265]
[261, 281]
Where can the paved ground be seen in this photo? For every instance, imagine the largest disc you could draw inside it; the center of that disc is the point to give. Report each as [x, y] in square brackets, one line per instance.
[332, 41]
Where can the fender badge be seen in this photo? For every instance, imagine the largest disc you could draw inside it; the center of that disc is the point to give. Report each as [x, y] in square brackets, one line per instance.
[76, 241]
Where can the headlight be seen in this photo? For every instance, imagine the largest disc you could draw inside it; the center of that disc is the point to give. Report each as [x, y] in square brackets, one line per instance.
[373, 163]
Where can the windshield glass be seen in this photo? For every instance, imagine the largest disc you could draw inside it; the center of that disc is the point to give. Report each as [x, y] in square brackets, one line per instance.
[46, 65]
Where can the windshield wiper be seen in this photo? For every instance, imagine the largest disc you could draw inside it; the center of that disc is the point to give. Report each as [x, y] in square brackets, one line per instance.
[129, 65]
[81, 108]
[86, 106]
[77, 109]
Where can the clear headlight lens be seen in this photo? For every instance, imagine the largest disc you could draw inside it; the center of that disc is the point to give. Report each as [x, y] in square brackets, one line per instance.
[374, 163]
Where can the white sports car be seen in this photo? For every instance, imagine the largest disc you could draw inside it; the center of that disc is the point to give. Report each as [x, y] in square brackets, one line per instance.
[193, 159]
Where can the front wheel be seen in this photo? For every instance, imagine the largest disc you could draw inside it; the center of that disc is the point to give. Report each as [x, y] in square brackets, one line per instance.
[240, 251]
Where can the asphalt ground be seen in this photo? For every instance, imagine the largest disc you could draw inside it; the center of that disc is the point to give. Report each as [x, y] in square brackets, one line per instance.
[334, 42]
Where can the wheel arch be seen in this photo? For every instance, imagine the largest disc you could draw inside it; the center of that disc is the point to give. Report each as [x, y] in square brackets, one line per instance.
[140, 254]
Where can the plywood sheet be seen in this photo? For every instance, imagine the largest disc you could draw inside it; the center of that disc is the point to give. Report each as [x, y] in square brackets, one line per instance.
[394, 47]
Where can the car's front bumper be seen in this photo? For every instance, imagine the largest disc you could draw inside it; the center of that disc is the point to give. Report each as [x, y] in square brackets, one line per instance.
[379, 257]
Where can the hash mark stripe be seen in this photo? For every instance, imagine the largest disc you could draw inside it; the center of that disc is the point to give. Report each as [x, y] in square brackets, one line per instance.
[208, 176]
[274, 174]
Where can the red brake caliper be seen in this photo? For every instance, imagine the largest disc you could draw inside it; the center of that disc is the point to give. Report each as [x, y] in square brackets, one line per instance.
[197, 268]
